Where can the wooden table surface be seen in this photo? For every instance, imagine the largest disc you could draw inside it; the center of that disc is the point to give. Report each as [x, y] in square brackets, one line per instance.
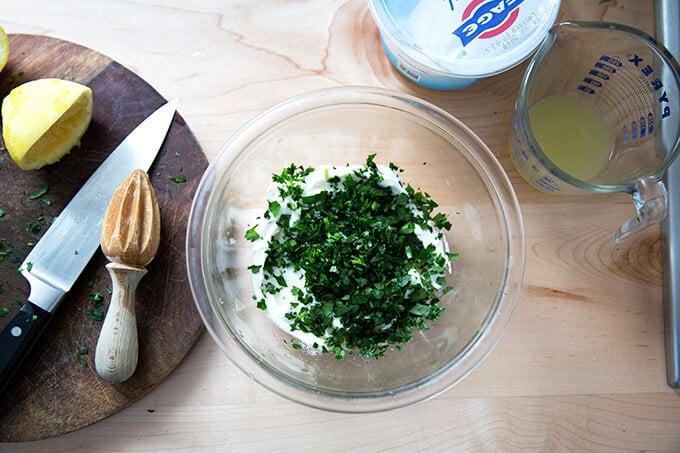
[581, 366]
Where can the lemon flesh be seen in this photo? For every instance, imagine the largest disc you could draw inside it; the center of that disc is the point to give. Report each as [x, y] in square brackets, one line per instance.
[43, 119]
[4, 48]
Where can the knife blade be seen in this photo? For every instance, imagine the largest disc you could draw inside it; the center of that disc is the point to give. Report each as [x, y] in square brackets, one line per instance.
[58, 259]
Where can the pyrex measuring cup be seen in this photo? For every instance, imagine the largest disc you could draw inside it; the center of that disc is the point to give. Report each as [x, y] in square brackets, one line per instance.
[599, 111]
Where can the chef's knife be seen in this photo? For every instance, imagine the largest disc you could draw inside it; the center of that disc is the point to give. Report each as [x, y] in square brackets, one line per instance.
[60, 256]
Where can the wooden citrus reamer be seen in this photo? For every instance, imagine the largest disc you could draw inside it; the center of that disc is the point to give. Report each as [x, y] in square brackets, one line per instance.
[130, 238]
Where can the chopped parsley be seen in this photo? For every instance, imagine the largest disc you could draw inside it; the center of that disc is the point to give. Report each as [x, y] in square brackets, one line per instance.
[80, 352]
[96, 300]
[37, 195]
[358, 246]
[178, 179]
[252, 235]
[36, 226]
[96, 314]
[5, 249]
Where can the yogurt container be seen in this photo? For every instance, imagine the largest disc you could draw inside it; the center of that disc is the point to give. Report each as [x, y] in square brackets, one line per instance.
[452, 44]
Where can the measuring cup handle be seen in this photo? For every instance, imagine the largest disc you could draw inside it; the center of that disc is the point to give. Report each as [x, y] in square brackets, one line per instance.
[650, 198]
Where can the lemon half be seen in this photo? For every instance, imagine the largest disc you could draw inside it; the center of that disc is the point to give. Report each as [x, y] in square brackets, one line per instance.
[4, 48]
[43, 119]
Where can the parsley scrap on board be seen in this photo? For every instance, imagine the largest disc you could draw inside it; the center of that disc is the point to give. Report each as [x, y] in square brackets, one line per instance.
[80, 352]
[178, 179]
[96, 299]
[369, 279]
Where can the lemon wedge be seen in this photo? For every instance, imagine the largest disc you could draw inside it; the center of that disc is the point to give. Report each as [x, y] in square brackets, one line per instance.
[43, 119]
[4, 48]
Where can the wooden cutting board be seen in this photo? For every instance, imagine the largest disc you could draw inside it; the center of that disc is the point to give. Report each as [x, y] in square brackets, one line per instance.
[57, 390]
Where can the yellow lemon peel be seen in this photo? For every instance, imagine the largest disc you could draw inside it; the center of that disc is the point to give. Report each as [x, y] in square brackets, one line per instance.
[4, 48]
[42, 120]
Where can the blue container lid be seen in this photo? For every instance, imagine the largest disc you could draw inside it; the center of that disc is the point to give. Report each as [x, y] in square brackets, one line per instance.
[464, 38]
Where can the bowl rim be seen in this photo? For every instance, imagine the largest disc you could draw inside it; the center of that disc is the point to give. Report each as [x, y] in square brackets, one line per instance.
[477, 348]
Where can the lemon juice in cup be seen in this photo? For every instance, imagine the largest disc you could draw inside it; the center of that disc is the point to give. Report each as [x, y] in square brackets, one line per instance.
[598, 111]
[572, 134]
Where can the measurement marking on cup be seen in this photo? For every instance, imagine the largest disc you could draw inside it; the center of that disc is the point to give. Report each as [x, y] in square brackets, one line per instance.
[606, 67]
[656, 83]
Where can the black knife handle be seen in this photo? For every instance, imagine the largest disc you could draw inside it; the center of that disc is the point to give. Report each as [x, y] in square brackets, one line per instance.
[18, 337]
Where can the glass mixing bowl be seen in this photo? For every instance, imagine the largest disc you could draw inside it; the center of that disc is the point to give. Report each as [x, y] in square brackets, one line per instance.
[439, 156]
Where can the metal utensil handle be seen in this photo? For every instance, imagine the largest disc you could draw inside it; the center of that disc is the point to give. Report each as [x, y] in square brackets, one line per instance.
[668, 33]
